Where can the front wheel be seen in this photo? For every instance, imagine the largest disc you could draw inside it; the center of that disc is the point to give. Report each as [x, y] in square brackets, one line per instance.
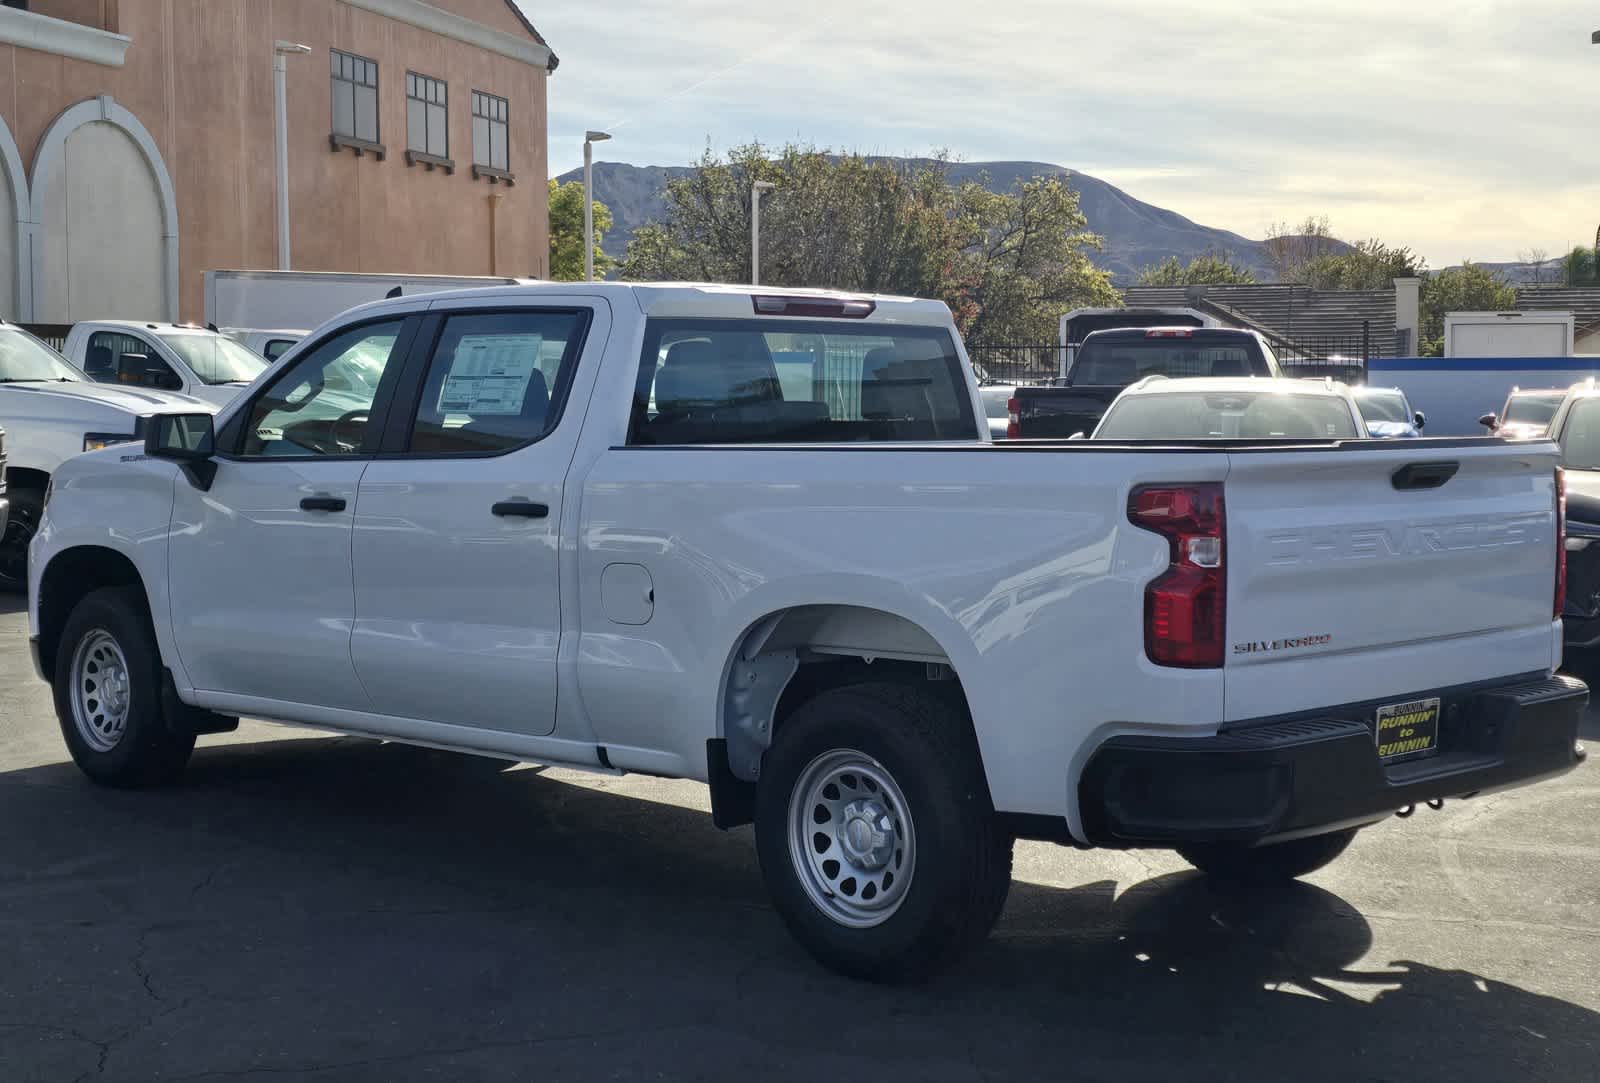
[108, 693]
[1276, 861]
[876, 835]
[27, 505]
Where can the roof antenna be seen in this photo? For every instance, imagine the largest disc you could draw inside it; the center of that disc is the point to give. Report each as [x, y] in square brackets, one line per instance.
[392, 294]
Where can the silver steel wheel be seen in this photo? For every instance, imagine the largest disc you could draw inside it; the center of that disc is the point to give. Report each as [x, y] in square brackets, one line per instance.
[100, 690]
[851, 839]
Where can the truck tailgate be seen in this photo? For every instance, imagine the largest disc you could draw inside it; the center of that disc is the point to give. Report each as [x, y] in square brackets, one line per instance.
[1357, 573]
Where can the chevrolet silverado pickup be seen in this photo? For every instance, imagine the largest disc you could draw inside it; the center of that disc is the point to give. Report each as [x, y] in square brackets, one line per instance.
[760, 538]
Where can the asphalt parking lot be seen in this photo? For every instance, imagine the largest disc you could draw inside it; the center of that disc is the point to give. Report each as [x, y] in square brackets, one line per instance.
[305, 907]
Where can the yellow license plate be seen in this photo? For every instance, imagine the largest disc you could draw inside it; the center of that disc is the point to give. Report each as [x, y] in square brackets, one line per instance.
[1408, 729]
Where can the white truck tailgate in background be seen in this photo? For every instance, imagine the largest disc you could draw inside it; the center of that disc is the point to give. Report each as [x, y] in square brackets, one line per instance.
[1343, 587]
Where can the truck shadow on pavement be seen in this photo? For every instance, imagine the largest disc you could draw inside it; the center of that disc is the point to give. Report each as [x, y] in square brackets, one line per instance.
[337, 909]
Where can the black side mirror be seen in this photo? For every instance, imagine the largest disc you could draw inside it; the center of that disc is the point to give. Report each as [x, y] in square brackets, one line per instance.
[186, 439]
[1488, 421]
[1421, 419]
[146, 371]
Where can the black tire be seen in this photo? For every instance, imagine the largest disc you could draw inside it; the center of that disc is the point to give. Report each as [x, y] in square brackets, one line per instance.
[962, 860]
[147, 752]
[27, 505]
[1279, 861]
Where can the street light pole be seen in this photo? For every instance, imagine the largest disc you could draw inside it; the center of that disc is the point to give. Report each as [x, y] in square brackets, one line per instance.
[281, 51]
[589, 140]
[755, 228]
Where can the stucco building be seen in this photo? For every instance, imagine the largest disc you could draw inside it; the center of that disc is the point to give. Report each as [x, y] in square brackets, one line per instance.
[137, 146]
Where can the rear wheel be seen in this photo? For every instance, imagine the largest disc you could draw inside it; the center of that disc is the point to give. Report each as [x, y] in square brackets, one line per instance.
[1276, 861]
[27, 505]
[108, 693]
[876, 835]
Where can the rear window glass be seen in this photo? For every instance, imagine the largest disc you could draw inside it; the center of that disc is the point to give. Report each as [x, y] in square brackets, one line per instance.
[1531, 409]
[1200, 416]
[1125, 360]
[1580, 437]
[794, 381]
[1383, 406]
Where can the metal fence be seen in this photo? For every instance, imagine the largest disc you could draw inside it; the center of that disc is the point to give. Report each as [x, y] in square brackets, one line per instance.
[1035, 364]
[1344, 357]
[53, 335]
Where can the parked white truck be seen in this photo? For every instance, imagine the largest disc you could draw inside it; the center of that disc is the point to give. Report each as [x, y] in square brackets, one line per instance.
[194, 361]
[760, 538]
[50, 413]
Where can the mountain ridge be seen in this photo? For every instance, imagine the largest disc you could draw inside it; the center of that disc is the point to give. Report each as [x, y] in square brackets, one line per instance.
[1137, 234]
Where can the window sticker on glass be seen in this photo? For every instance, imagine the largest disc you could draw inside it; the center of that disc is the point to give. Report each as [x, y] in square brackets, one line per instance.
[489, 374]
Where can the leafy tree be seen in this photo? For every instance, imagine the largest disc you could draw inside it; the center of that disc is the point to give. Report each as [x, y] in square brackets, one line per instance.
[1580, 267]
[566, 233]
[1007, 264]
[1205, 270]
[1289, 248]
[1365, 265]
[1468, 288]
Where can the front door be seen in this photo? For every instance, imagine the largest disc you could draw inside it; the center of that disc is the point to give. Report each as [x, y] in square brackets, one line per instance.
[457, 526]
[259, 564]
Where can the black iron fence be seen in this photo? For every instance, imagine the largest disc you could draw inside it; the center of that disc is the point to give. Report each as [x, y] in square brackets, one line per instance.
[53, 335]
[1343, 357]
[1017, 364]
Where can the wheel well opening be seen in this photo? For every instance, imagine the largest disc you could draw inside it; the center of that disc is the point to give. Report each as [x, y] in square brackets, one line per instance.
[23, 477]
[794, 655]
[69, 578]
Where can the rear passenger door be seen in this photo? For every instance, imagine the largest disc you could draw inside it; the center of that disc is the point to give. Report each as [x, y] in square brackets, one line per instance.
[458, 522]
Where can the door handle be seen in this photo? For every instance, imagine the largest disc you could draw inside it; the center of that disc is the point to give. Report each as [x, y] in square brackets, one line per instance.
[322, 503]
[1423, 475]
[526, 509]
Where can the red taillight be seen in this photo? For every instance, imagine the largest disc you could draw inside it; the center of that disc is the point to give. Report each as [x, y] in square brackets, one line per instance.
[1561, 541]
[1185, 607]
[1013, 418]
[1170, 332]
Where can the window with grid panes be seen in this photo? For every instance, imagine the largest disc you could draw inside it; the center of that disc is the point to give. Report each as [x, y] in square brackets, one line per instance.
[355, 96]
[491, 118]
[427, 115]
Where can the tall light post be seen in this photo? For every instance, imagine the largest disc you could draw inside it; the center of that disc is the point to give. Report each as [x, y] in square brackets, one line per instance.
[755, 228]
[589, 140]
[281, 51]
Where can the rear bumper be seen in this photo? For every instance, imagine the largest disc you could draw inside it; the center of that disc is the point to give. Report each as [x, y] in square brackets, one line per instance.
[1275, 779]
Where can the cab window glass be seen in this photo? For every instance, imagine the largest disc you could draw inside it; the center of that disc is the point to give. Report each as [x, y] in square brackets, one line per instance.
[496, 381]
[102, 357]
[789, 381]
[321, 404]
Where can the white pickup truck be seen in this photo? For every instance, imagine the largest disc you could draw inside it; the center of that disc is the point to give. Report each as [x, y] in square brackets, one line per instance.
[50, 413]
[191, 360]
[759, 538]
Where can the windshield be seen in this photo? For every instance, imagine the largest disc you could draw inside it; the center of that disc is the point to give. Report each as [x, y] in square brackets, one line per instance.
[1223, 416]
[1384, 406]
[216, 359]
[24, 359]
[1531, 409]
[1122, 360]
[1580, 436]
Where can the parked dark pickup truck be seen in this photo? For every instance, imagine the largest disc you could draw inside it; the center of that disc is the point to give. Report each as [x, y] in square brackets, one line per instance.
[1109, 361]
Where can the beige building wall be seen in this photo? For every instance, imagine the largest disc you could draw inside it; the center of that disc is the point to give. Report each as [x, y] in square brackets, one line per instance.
[198, 76]
[101, 252]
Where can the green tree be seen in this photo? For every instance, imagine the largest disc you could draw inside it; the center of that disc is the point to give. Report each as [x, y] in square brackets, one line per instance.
[566, 233]
[1205, 270]
[1468, 288]
[1580, 267]
[1365, 265]
[1007, 264]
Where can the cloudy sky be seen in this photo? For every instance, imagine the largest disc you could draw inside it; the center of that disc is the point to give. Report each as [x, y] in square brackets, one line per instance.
[1466, 130]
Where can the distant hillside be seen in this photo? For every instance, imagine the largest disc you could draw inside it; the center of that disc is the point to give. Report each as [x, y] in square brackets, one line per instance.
[1137, 234]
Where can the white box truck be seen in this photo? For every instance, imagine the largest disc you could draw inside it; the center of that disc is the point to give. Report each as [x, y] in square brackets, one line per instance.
[263, 299]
